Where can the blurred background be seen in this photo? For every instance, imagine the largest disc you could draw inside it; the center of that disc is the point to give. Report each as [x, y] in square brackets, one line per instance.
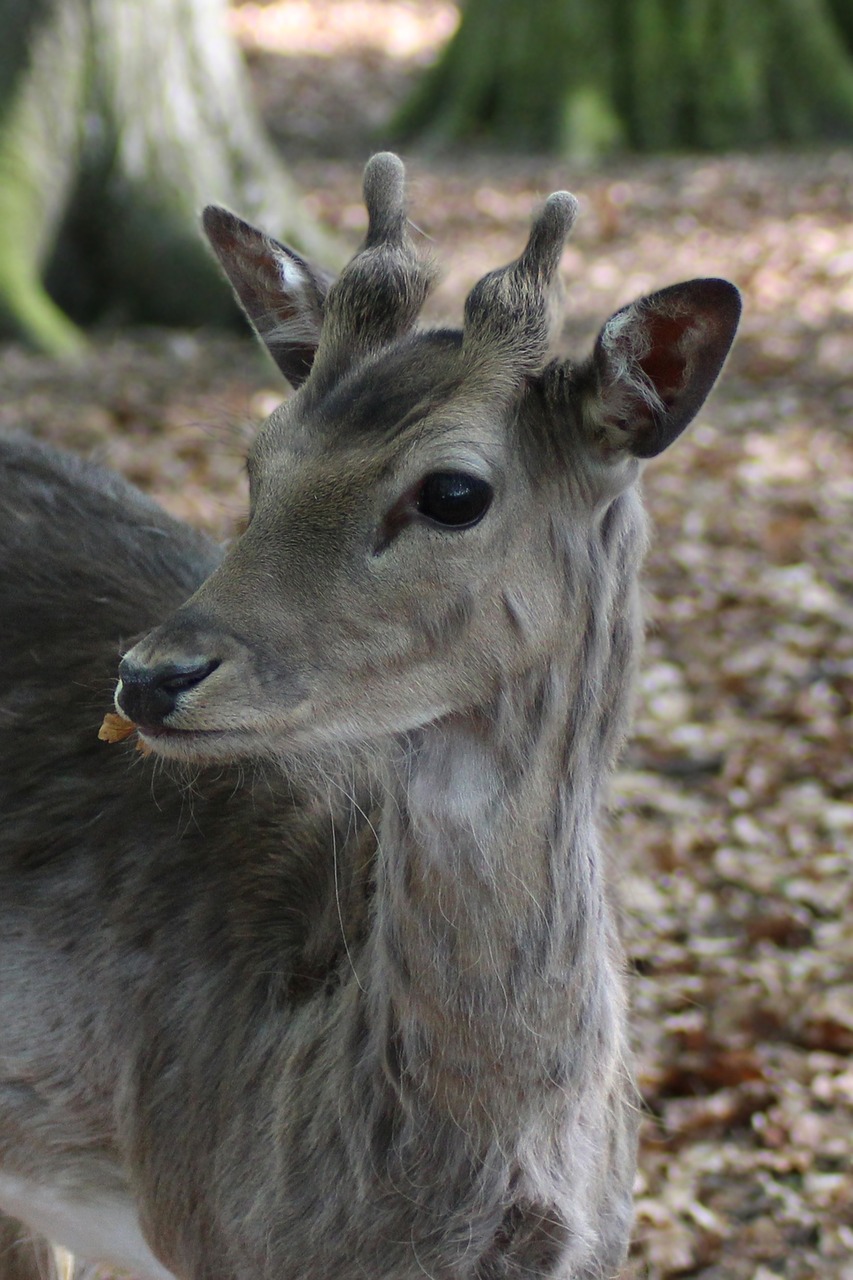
[703, 137]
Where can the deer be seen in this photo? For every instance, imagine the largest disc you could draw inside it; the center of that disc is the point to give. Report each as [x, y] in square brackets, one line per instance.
[328, 981]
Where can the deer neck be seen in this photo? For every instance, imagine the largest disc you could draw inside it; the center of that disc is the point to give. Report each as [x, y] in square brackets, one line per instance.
[496, 942]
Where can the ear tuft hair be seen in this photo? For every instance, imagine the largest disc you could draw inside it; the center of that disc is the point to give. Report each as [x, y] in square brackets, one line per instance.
[655, 362]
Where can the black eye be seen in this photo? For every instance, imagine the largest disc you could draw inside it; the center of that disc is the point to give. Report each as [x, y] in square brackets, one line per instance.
[453, 498]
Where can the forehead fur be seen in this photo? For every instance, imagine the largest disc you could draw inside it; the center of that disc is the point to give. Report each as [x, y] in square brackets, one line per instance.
[387, 393]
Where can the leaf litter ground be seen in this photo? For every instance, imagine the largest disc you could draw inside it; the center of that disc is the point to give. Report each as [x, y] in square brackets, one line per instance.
[733, 811]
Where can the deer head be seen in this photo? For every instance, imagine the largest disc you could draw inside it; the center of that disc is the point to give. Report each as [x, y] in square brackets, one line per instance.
[421, 508]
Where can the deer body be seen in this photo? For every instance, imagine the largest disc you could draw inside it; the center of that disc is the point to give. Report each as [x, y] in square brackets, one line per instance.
[363, 1016]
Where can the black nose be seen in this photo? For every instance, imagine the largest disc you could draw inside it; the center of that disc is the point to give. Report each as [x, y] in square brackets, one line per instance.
[149, 694]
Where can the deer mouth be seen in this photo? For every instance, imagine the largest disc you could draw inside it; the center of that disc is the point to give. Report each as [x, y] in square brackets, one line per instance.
[198, 746]
[224, 743]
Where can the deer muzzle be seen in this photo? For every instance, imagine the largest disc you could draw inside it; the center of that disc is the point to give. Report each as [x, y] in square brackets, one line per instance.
[149, 695]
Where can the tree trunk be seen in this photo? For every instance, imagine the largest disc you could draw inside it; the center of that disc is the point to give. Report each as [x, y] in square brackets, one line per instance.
[119, 119]
[581, 79]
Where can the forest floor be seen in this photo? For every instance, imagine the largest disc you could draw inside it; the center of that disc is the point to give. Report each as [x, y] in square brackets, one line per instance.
[733, 811]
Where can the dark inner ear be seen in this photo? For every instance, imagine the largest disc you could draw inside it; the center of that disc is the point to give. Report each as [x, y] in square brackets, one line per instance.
[281, 293]
[655, 362]
[664, 365]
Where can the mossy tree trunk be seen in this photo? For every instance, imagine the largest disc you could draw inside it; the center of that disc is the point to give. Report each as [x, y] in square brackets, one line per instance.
[577, 78]
[119, 120]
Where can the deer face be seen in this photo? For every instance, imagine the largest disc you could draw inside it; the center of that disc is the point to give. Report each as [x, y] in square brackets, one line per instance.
[388, 575]
[401, 558]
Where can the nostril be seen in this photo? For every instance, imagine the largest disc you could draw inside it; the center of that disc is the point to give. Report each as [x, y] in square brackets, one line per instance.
[182, 678]
[149, 695]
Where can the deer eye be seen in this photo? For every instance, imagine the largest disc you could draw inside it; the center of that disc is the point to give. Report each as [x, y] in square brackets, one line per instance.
[453, 499]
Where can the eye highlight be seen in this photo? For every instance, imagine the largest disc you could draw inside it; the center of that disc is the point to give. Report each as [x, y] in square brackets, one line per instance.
[453, 499]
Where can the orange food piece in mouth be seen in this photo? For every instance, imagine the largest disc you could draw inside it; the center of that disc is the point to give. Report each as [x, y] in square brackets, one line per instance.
[115, 728]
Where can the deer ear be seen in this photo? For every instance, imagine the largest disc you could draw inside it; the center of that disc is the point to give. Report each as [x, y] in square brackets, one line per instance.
[281, 293]
[655, 362]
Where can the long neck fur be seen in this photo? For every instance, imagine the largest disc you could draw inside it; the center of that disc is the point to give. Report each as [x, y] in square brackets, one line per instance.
[496, 972]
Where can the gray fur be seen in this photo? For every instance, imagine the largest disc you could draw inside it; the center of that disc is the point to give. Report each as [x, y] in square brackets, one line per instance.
[360, 1014]
[508, 314]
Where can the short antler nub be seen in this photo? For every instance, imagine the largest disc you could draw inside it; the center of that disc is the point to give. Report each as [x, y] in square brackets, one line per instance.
[379, 294]
[385, 198]
[508, 313]
[549, 233]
